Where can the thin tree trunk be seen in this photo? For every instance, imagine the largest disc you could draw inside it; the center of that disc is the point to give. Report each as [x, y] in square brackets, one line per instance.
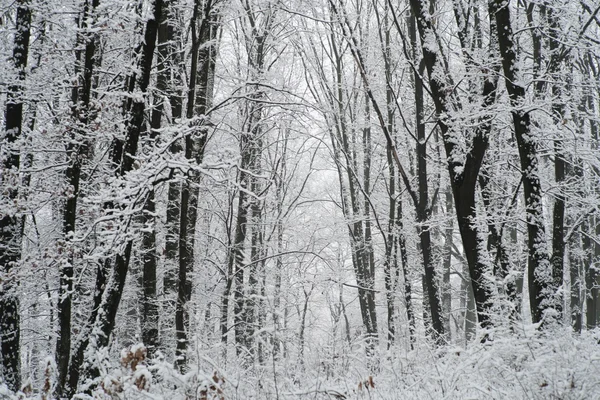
[342, 136]
[351, 195]
[301, 334]
[77, 356]
[123, 156]
[432, 304]
[167, 57]
[463, 176]
[596, 266]
[249, 207]
[448, 243]
[10, 223]
[76, 153]
[369, 255]
[169, 82]
[539, 269]
[470, 310]
[390, 265]
[401, 244]
[256, 253]
[199, 99]
[279, 197]
[236, 257]
[591, 278]
[577, 288]
[149, 301]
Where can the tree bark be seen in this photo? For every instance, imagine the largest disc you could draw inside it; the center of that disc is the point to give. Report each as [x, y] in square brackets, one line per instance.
[539, 269]
[167, 88]
[77, 149]
[123, 157]
[10, 222]
[400, 247]
[463, 176]
[447, 263]
[423, 207]
[169, 83]
[199, 99]
[149, 301]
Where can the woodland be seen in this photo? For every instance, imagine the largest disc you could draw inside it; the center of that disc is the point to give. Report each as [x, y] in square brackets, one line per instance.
[299, 199]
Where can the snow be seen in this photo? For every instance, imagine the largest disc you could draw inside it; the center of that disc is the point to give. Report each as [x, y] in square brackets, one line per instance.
[528, 364]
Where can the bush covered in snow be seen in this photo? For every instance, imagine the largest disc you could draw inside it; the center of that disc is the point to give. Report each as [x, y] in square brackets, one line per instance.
[552, 364]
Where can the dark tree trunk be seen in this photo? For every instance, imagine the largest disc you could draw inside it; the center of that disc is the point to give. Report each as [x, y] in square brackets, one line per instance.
[77, 149]
[199, 99]
[169, 82]
[591, 280]
[595, 292]
[168, 58]
[401, 248]
[594, 264]
[390, 264]
[10, 223]
[548, 15]
[502, 268]
[249, 208]
[539, 273]
[470, 308]
[423, 205]
[149, 301]
[448, 244]
[123, 157]
[354, 196]
[369, 255]
[236, 257]
[463, 183]
[251, 308]
[279, 196]
[577, 287]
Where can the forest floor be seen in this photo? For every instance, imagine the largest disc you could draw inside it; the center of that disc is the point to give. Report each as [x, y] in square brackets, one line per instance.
[553, 364]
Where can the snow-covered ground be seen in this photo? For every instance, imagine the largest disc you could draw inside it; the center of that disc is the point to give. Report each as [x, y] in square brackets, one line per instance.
[553, 364]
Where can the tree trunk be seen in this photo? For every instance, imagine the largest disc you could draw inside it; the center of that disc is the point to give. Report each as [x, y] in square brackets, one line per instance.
[149, 301]
[502, 267]
[448, 244]
[168, 59]
[353, 196]
[369, 256]
[10, 222]
[539, 273]
[423, 206]
[470, 310]
[77, 149]
[463, 183]
[576, 267]
[390, 264]
[199, 99]
[169, 81]
[279, 198]
[252, 302]
[249, 207]
[123, 156]
[401, 248]
[77, 356]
